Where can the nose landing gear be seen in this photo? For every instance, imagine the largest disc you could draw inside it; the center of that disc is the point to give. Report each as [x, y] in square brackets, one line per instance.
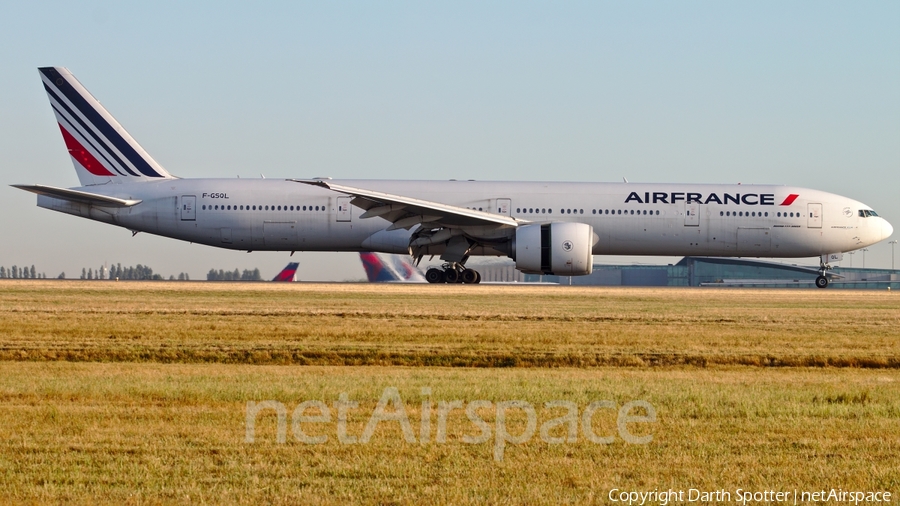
[452, 273]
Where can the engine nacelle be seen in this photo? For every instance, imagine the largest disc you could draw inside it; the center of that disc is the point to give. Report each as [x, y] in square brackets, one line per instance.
[561, 249]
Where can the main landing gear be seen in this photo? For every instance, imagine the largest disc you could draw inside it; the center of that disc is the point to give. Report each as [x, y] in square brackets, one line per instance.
[821, 280]
[452, 273]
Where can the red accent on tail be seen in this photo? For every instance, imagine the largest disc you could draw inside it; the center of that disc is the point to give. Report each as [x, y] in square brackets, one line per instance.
[83, 156]
[790, 199]
[288, 273]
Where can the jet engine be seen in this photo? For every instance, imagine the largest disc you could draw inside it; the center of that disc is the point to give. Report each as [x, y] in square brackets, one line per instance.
[561, 249]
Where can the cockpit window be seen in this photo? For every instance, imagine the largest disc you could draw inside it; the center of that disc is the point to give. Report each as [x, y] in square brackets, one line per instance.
[865, 213]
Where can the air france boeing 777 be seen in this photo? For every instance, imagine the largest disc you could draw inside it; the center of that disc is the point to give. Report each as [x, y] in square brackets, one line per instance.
[545, 227]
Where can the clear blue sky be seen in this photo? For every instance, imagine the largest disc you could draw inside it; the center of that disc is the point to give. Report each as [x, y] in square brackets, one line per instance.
[799, 93]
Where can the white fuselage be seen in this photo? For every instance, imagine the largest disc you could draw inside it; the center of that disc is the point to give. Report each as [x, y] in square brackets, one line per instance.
[628, 218]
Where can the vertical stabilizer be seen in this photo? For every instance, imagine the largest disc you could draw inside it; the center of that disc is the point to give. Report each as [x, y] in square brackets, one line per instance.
[383, 268]
[101, 150]
[289, 273]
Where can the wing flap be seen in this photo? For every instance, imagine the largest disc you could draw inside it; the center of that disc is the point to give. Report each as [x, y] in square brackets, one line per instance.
[77, 196]
[387, 205]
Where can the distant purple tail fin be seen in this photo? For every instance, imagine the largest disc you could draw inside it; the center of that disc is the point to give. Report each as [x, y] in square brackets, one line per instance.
[289, 273]
[381, 268]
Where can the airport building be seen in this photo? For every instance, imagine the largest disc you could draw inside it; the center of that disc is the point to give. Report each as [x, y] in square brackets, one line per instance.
[707, 271]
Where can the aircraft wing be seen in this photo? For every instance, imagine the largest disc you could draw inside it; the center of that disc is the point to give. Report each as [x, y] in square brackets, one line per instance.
[77, 196]
[406, 212]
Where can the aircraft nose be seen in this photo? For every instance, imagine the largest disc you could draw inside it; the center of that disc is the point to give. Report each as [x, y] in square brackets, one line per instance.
[886, 229]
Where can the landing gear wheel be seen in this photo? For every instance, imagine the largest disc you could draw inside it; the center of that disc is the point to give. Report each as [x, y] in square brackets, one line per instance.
[434, 275]
[470, 276]
[822, 282]
[478, 279]
[451, 276]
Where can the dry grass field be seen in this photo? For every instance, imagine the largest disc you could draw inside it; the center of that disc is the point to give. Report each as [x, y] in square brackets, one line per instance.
[416, 325]
[138, 392]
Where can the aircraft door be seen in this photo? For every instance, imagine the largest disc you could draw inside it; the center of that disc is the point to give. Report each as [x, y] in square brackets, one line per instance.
[814, 219]
[188, 207]
[503, 207]
[692, 214]
[343, 208]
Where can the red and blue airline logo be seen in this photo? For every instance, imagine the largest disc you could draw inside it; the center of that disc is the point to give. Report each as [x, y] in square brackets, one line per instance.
[790, 199]
[748, 199]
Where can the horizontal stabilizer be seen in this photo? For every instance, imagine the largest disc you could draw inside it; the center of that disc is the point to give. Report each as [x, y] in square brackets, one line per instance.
[77, 196]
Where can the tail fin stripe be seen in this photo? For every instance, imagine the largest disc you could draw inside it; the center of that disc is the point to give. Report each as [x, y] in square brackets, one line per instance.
[100, 126]
[83, 156]
[71, 130]
[84, 128]
[100, 123]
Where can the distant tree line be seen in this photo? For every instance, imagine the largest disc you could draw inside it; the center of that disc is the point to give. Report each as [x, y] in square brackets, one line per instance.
[137, 272]
[117, 272]
[15, 272]
[235, 275]
[141, 272]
